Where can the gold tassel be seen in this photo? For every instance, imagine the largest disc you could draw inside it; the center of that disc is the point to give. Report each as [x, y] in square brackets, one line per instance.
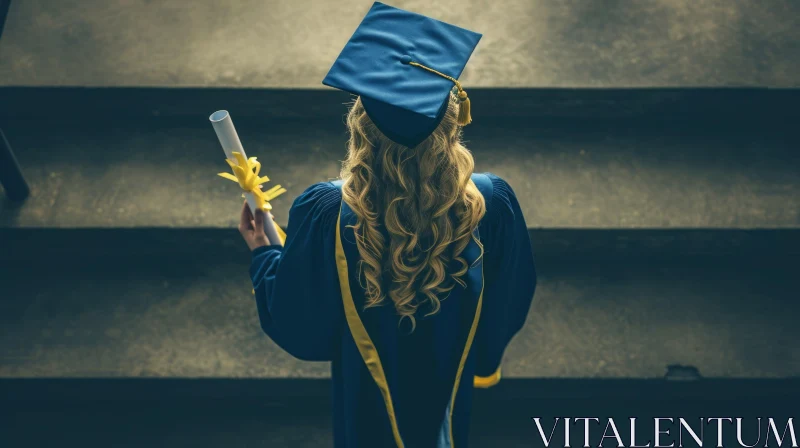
[464, 116]
[464, 108]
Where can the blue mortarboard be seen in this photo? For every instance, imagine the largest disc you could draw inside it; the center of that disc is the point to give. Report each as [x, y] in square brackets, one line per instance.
[404, 65]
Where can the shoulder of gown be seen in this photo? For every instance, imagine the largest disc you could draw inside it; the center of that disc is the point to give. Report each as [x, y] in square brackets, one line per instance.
[320, 201]
[502, 210]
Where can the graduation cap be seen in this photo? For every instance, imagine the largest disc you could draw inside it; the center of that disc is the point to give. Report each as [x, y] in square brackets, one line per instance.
[404, 66]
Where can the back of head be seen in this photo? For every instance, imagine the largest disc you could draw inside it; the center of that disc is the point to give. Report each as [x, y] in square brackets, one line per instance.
[425, 200]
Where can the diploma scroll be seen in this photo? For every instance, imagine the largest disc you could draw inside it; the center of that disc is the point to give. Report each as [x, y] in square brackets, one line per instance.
[247, 176]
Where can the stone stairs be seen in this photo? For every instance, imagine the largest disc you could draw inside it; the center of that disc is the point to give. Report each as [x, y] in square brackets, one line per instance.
[652, 147]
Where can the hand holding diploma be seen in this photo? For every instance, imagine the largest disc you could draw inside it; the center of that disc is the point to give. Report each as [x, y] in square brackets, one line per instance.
[245, 173]
[252, 228]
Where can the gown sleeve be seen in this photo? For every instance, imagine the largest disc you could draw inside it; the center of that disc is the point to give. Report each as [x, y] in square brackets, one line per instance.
[296, 286]
[509, 281]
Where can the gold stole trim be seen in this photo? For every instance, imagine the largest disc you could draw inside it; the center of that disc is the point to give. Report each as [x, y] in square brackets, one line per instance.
[485, 382]
[364, 343]
[464, 355]
[367, 348]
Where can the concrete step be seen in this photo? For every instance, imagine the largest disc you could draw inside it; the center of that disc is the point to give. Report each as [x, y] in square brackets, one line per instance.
[684, 43]
[191, 315]
[498, 418]
[650, 146]
[162, 173]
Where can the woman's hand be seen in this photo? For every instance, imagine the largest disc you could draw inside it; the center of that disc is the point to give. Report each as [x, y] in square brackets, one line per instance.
[252, 228]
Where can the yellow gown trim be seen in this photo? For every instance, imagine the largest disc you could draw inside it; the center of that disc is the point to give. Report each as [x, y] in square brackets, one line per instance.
[468, 346]
[485, 382]
[370, 354]
[364, 343]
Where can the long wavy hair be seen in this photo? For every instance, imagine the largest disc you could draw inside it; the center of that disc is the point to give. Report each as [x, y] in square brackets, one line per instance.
[424, 198]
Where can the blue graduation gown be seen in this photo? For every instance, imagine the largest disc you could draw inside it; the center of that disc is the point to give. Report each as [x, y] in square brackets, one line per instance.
[392, 387]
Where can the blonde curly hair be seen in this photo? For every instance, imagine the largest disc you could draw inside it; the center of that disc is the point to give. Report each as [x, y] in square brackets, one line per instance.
[425, 199]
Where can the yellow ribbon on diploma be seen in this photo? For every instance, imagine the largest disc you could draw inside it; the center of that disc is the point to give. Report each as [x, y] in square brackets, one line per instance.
[245, 173]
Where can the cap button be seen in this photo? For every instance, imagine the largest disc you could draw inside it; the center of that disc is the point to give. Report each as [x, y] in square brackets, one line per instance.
[405, 59]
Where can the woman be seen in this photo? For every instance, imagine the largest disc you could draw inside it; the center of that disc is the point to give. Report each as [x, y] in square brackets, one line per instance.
[410, 273]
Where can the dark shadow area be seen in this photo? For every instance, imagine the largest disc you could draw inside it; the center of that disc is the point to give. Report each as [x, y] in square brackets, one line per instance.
[90, 247]
[296, 413]
[693, 106]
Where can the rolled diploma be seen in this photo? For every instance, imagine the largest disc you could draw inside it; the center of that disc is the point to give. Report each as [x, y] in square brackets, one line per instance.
[229, 139]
